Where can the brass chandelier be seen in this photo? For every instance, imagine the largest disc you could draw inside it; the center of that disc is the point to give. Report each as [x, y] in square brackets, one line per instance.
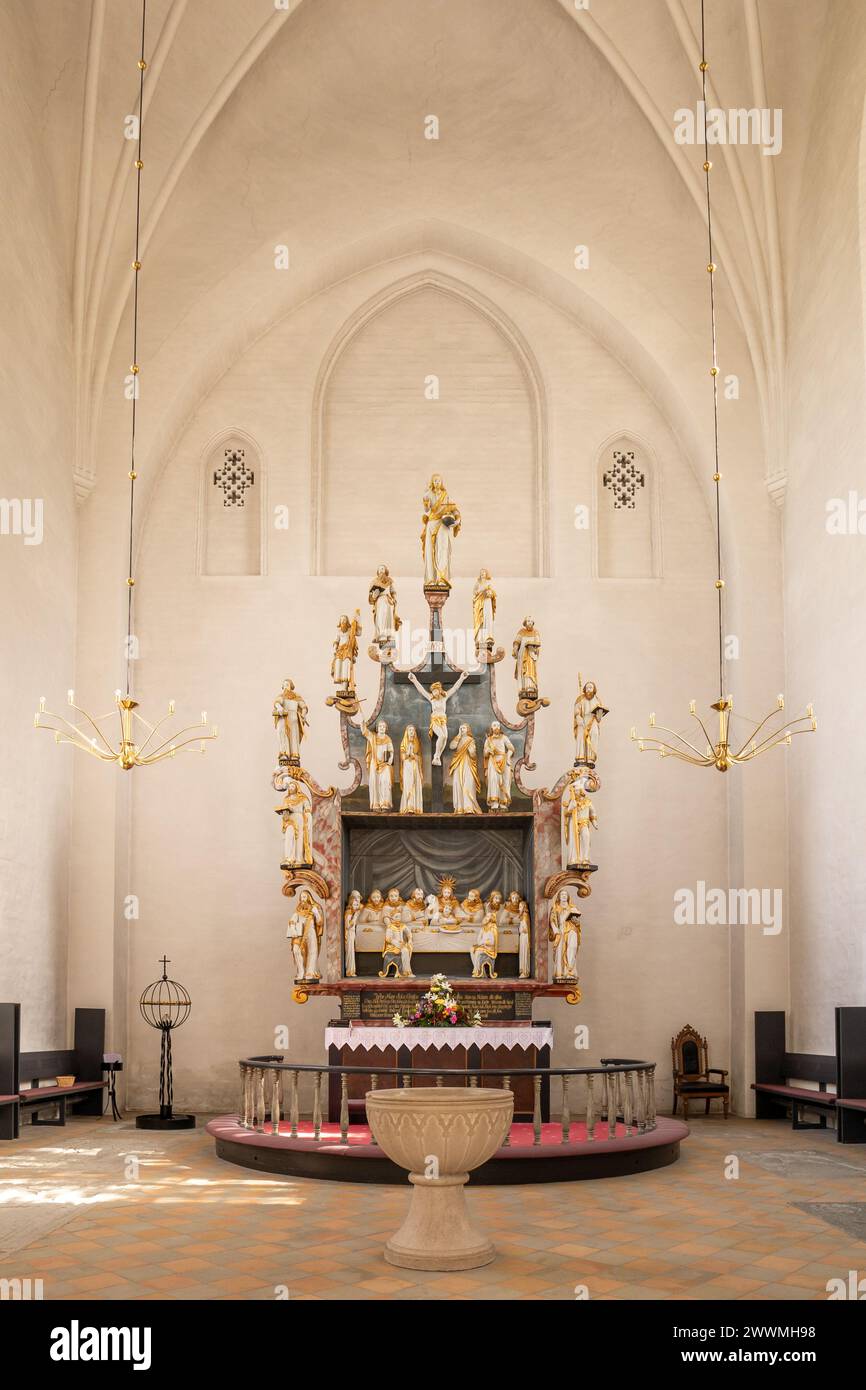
[138, 743]
[725, 750]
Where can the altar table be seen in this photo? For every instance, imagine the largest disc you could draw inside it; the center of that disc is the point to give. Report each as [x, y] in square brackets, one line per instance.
[484, 1047]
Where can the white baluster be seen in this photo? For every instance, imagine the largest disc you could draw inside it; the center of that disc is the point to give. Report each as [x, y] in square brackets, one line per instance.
[317, 1105]
[344, 1108]
[590, 1108]
[276, 1098]
[536, 1108]
[293, 1114]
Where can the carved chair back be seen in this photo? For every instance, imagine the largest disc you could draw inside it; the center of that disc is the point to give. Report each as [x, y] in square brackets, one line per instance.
[689, 1053]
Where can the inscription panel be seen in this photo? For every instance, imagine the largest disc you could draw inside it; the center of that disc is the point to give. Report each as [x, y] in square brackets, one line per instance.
[494, 1005]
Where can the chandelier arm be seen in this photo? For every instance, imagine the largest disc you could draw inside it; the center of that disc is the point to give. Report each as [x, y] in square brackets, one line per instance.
[168, 744]
[152, 728]
[682, 738]
[665, 750]
[747, 752]
[80, 732]
[703, 730]
[758, 727]
[78, 740]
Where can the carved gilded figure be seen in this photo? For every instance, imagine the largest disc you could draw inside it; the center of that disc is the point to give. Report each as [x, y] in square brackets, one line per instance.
[290, 720]
[447, 917]
[498, 768]
[297, 821]
[392, 950]
[440, 521]
[588, 714]
[578, 820]
[371, 912]
[350, 925]
[305, 933]
[346, 652]
[509, 913]
[471, 909]
[483, 953]
[463, 768]
[383, 601]
[494, 903]
[406, 952]
[524, 949]
[411, 779]
[526, 649]
[380, 766]
[415, 907]
[563, 930]
[438, 698]
[483, 611]
[394, 903]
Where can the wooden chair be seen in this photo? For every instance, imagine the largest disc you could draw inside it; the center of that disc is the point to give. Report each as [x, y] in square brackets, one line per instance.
[693, 1079]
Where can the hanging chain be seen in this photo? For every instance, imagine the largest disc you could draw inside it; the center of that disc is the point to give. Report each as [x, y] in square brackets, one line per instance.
[134, 365]
[714, 369]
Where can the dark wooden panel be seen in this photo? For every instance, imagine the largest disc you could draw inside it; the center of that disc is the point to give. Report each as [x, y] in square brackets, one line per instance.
[40, 1066]
[809, 1066]
[851, 1052]
[851, 1071]
[10, 1042]
[770, 1045]
[89, 1043]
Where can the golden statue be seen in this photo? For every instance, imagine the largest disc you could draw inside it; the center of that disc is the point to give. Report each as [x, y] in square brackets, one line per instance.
[380, 765]
[346, 653]
[438, 698]
[524, 949]
[483, 611]
[392, 950]
[290, 721]
[483, 953]
[296, 815]
[305, 929]
[588, 714]
[411, 779]
[443, 913]
[440, 521]
[563, 931]
[350, 925]
[578, 818]
[472, 909]
[463, 768]
[383, 601]
[498, 768]
[526, 650]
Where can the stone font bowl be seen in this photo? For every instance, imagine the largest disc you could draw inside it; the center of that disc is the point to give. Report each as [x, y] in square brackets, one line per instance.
[440, 1133]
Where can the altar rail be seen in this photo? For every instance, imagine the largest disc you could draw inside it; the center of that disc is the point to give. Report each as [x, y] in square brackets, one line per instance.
[626, 1092]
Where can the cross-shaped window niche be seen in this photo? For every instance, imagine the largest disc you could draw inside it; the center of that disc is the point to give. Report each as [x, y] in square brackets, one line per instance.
[234, 478]
[624, 479]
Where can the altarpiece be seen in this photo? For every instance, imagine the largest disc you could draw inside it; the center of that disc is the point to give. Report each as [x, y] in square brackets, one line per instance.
[436, 855]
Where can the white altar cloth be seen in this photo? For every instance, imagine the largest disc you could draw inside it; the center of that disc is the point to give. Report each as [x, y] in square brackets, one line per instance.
[504, 1035]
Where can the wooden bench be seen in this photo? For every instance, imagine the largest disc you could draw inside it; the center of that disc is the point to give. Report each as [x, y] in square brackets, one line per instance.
[83, 1061]
[775, 1069]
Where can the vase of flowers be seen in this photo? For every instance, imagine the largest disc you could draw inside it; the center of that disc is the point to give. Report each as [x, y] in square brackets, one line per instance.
[438, 1008]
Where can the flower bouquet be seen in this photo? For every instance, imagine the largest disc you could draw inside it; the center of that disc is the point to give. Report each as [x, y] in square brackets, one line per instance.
[438, 1008]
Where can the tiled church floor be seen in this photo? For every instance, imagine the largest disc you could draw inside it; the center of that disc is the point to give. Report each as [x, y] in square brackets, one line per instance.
[105, 1211]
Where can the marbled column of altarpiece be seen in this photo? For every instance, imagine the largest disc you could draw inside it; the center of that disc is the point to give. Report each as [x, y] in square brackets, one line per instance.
[328, 856]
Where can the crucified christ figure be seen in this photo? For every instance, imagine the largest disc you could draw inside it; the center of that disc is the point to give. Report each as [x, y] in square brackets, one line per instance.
[438, 697]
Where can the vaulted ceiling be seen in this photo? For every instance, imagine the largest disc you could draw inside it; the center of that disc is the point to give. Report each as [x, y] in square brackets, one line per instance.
[304, 126]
